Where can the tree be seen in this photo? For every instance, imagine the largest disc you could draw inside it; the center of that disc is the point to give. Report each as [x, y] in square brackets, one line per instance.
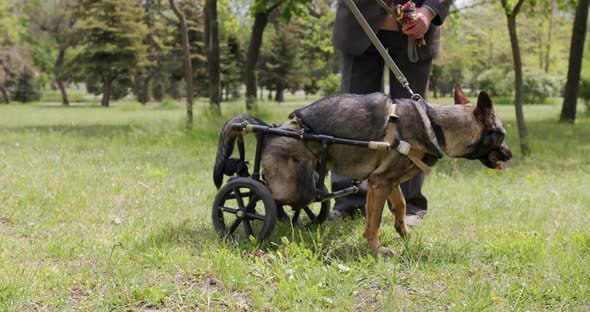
[51, 18]
[12, 27]
[13, 63]
[279, 56]
[187, 63]
[315, 55]
[230, 64]
[213, 55]
[26, 90]
[511, 13]
[261, 9]
[572, 87]
[156, 29]
[111, 36]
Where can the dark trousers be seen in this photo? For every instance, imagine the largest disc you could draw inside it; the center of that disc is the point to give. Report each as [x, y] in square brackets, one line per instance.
[363, 74]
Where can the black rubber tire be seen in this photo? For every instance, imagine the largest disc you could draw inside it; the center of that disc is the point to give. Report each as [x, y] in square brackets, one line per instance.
[254, 210]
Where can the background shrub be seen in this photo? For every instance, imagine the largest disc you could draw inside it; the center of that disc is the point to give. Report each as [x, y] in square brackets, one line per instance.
[330, 84]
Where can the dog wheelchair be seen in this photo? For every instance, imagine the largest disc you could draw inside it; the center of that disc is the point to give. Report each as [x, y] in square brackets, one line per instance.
[245, 207]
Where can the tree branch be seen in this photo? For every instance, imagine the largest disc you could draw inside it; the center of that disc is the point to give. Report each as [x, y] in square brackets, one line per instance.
[517, 7]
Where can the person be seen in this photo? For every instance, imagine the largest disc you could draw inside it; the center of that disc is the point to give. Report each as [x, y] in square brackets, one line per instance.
[362, 72]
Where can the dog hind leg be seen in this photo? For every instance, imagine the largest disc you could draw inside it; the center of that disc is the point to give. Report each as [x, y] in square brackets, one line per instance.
[378, 190]
[399, 210]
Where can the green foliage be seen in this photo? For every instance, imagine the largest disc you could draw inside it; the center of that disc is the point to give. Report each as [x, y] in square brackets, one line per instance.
[277, 61]
[27, 89]
[330, 84]
[231, 67]
[446, 75]
[119, 87]
[111, 36]
[539, 86]
[11, 24]
[288, 8]
[315, 56]
[496, 81]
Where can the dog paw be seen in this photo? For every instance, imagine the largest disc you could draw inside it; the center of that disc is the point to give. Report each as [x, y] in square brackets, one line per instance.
[386, 252]
[402, 230]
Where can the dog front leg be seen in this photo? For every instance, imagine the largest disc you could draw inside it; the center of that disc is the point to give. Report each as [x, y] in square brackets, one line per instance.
[378, 190]
[399, 205]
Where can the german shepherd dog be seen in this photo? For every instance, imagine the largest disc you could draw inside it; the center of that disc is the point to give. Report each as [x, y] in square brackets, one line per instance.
[288, 164]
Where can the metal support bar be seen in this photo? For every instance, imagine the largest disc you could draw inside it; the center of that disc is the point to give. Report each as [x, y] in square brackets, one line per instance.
[322, 170]
[341, 193]
[258, 157]
[249, 128]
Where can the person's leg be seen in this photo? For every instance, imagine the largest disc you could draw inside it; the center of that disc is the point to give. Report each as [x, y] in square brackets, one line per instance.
[361, 74]
[417, 75]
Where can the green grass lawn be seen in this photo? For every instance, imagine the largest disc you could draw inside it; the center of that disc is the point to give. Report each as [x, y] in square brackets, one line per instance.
[110, 209]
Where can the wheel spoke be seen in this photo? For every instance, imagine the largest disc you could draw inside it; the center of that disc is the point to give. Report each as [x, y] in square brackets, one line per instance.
[233, 196]
[234, 226]
[248, 227]
[228, 209]
[239, 197]
[310, 214]
[281, 214]
[252, 203]
[296, 216]
[254, 216]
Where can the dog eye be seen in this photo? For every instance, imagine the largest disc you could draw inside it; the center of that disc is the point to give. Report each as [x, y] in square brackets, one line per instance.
[497, 138]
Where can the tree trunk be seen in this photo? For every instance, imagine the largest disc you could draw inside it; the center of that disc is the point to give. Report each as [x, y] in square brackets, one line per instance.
[106, 92]
[188, 76]
[5, 94]
[144, 93]
[518, 85]
[176, 89]
[260, 22]
[280, 93]
[58, 69]
[213, 57]
[572, 86]
[549, 32]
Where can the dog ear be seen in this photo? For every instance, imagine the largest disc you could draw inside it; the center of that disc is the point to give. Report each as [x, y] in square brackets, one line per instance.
[460, 97]
[485, 107]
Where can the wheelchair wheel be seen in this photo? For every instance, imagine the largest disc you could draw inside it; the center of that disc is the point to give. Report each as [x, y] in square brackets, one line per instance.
[242, 208]
[315, 213]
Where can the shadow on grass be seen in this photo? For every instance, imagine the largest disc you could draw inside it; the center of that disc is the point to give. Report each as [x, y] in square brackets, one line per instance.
[183, 234]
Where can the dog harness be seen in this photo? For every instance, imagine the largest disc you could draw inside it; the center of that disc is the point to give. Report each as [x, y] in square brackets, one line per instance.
[391, 141]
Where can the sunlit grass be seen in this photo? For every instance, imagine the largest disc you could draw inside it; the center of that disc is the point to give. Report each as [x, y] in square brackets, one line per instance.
[110, 209]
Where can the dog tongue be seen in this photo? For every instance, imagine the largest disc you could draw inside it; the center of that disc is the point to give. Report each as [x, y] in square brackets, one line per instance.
[499, 167]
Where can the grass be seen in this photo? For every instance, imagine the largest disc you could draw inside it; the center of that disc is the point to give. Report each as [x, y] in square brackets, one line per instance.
[109, 209]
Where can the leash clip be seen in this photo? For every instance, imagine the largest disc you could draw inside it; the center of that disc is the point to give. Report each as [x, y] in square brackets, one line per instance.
[404, 147]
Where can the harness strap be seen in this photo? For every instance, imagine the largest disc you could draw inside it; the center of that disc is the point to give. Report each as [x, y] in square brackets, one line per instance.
[403, 147]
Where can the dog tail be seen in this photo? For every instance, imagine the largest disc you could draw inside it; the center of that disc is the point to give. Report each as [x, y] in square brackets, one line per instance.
[227, 139]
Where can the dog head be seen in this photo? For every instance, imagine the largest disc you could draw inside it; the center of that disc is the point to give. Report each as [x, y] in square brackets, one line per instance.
[490, 148]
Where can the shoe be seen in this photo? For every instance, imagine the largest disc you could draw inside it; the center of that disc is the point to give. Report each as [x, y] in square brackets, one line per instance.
[414, 220]
[337, 214]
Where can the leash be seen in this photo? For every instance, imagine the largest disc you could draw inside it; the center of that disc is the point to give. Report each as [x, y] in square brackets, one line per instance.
[388, 60]
[390, 138]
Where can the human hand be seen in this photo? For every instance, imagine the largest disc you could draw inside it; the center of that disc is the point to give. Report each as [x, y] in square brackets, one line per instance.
[418, 27]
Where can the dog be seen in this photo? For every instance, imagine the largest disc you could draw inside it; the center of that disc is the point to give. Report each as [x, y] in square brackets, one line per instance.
[289, 164]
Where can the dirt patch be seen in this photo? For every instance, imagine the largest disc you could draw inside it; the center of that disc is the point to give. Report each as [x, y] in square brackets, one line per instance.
[77, 293]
